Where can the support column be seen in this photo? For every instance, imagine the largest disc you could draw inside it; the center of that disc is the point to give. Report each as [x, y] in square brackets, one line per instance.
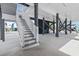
[2, 30]
[36, 21]
[0, 12]
[53, 26]
[43, 26]
[36, 13]
[66, 26]
[1, 26]
[57, 27]
[70, 26]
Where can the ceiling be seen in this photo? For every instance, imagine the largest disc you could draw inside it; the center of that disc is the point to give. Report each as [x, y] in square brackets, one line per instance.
[69, 10]
[8, 8]
[8, 11]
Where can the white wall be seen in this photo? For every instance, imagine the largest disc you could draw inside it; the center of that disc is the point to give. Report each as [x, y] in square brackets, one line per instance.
[9, 17]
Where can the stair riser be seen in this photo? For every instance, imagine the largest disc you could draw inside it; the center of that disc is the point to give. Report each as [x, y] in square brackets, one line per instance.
[26, 43]
[31, 46]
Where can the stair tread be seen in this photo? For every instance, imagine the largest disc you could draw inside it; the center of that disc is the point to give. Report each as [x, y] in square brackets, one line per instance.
[28, 33]
[28, 36]
[26, 29]
[25, 33]
[29, 40]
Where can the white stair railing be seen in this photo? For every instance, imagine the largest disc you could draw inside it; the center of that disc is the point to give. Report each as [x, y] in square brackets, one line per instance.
[20, 30]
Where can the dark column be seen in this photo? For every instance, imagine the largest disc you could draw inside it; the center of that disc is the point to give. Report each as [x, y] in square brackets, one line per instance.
[36, 20]
[36, 13]
[66, 26]
[2, 30]
[43, 26]
[70, 26]
[57, 30]
[53, 26]
[0, 12]
[1, 26]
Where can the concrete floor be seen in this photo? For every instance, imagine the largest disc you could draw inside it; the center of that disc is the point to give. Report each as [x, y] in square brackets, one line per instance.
[49, 45]
[71, 48]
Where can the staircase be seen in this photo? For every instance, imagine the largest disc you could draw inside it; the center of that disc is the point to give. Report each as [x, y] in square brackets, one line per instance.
[27, 38]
